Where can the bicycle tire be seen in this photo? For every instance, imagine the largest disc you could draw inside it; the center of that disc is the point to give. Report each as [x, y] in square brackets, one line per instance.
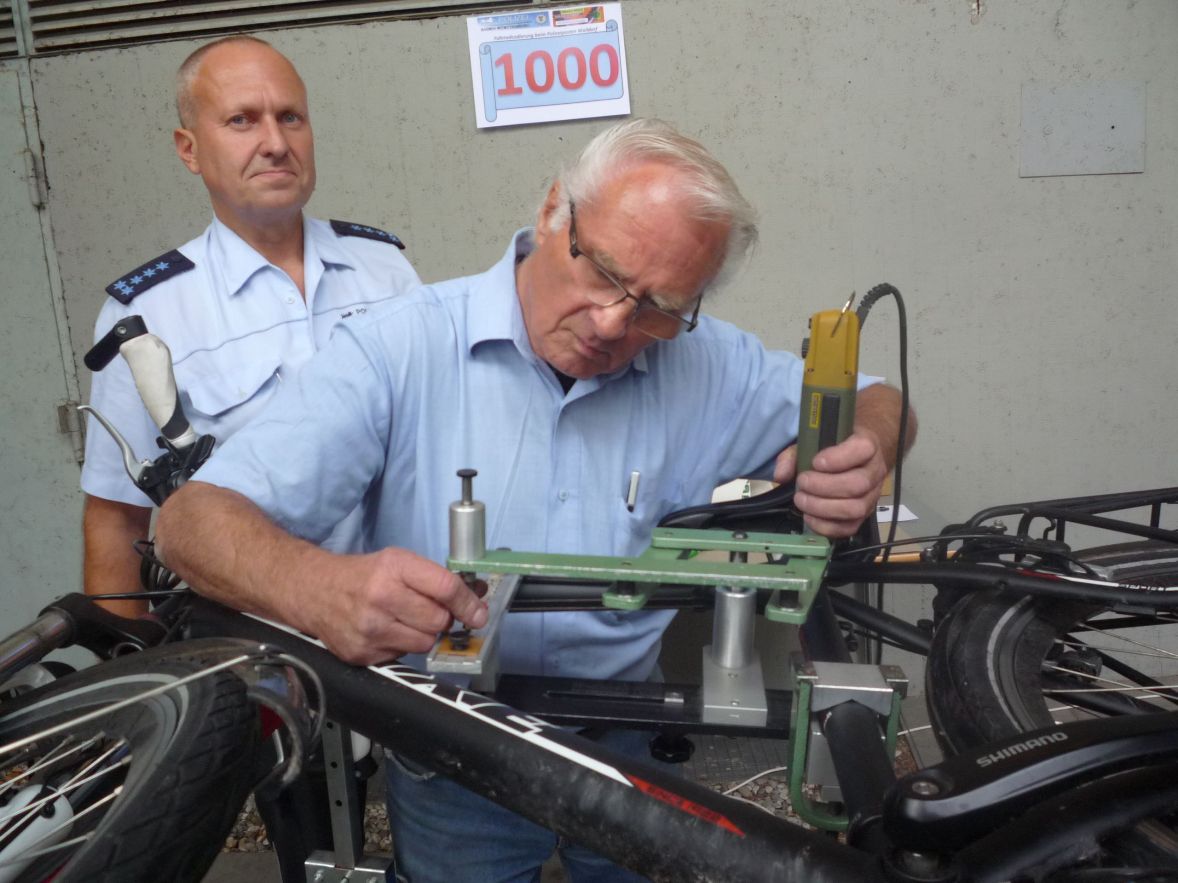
[999, 661]
[190, 756]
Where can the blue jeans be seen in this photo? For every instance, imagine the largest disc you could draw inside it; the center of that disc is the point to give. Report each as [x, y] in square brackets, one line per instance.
[443, 833]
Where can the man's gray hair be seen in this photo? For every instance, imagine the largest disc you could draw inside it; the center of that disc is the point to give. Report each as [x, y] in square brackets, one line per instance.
[708, 185]
[186, 74]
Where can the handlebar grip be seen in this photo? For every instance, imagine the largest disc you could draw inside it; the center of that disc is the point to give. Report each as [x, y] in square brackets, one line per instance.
[150, 362]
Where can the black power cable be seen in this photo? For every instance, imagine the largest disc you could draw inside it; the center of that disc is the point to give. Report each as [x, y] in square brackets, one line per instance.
[869, 300]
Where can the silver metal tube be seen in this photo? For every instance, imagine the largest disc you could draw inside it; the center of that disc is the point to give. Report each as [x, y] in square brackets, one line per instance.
[733, 619]
[468, 540]
[48, 632]
[468, 522]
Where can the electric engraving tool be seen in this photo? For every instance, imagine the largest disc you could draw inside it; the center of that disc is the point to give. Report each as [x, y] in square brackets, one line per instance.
[828, 388]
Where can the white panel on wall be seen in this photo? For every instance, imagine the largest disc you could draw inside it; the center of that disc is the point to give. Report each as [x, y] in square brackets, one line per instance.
[1082, 129]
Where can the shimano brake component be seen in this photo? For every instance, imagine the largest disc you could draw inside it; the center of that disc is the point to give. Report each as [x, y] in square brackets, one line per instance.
[947, 806]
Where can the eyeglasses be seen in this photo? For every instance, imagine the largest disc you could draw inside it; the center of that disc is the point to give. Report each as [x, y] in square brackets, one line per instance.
[646, 317]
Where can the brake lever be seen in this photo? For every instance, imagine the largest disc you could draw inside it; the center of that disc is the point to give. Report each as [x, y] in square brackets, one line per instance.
[134, 466]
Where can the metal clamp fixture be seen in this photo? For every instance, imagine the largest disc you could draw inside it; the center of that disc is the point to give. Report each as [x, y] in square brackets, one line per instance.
[819, 687]
[792, 572]
[733, 683]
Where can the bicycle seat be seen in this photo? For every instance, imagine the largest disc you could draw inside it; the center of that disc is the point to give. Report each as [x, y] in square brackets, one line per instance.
[772, 511]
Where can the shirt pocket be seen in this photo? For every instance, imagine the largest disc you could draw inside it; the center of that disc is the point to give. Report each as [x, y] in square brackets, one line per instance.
[221, 394]
[633, 528]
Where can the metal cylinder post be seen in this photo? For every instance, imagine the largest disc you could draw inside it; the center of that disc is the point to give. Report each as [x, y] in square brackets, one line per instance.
[732, 627]
[468, 520]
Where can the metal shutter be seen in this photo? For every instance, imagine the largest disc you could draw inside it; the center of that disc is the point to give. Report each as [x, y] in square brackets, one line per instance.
[66, 25]
[8, 45]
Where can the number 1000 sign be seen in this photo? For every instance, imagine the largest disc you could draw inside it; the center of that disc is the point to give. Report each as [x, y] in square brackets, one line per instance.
[560, 69]
[571, 68]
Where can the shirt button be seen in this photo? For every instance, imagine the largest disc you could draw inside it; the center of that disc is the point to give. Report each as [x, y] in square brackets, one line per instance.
[290, 299]
[562, 496]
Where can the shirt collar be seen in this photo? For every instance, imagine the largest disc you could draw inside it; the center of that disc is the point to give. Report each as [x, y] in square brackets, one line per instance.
[494, 312]
[240, 261]
[321, 250]
[321, 242]
[237, 259]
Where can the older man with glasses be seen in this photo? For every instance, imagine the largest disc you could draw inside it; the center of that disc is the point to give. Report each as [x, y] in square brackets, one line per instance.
[576, 361]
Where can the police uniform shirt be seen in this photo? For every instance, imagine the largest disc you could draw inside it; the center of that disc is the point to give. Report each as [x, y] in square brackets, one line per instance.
[237, 328]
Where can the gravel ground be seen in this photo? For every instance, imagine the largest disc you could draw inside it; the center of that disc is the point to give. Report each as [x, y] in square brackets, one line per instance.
[249, 835]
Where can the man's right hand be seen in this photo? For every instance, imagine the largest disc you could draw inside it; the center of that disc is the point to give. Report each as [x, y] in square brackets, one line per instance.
[365, 608]
[392, 602]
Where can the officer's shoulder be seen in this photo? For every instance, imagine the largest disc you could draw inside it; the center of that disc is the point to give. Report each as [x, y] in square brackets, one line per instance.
[364, 231]
[167, 266]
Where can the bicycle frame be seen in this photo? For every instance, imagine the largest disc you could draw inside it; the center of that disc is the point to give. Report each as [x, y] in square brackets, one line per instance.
[967, 818]
[672, 829]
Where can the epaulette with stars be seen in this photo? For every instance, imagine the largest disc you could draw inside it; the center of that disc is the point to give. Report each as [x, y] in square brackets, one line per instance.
[133, 284]
[347, 228]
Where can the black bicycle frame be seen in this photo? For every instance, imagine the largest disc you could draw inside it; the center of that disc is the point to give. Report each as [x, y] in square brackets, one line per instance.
[975, 814]
[1085, 779]
[661, 825]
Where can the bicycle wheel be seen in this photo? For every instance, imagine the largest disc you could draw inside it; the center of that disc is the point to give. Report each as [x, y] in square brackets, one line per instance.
[144, 792]
[1002, 664]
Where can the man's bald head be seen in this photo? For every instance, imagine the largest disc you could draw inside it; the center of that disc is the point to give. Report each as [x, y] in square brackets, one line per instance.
[246, 130]
[187, 73]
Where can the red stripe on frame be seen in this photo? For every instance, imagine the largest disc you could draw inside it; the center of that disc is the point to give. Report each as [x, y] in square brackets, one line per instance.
[685, 805]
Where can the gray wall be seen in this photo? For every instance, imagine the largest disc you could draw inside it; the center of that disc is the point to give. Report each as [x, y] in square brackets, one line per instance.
[879, 139]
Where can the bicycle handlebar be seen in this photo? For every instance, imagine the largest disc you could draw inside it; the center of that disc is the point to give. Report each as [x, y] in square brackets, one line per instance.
[150, 362]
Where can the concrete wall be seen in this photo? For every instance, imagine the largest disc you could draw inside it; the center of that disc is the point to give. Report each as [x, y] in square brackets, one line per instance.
[40, 506]
[879, 139]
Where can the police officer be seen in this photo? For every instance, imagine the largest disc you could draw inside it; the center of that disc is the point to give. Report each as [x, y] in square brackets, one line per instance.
[244, 305]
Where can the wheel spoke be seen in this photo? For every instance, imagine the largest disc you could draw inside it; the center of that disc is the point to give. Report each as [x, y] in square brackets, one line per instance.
[35, 806]
[1136, 682]
[27, 854]
[125, 703]
[1145, 649]
[57, 754]
[1128, 689]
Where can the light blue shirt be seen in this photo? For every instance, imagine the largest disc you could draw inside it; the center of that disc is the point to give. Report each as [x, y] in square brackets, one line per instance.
[445, 378]
[238, 329]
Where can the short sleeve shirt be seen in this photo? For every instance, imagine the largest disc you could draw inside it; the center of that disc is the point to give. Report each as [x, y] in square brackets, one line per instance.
[445, 378]
[238, 330]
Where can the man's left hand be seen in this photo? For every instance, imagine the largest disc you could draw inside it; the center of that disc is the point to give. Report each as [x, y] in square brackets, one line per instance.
[842, 488]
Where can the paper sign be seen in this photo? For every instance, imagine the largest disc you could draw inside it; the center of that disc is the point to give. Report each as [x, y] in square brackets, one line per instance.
[883, 514]
[548, 64]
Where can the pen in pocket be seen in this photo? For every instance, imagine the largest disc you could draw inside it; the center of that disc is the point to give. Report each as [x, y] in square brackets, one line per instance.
[632, 493]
